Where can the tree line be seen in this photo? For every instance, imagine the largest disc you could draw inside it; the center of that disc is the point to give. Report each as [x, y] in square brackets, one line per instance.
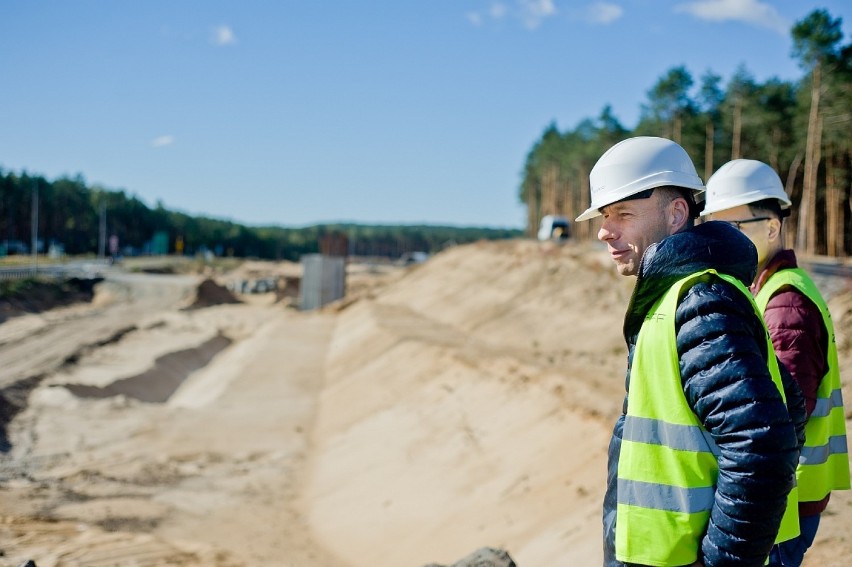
[801, 129]
[68, 212]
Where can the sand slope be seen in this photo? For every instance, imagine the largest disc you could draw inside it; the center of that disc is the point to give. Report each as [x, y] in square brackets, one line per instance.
[461, 403]
[461, 410]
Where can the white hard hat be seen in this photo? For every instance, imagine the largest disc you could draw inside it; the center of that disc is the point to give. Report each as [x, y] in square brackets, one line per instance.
[743, 181]
[635, 165]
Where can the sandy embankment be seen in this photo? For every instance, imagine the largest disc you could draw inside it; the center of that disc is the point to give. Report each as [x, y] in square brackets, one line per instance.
[466, 402]
[461, 410]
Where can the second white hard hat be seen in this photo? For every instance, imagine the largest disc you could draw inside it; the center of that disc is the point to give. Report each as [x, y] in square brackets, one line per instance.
[635, 165]
[743, 181]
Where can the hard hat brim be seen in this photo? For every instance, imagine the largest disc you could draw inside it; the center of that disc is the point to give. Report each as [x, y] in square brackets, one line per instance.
[588, 214]
[743, 199]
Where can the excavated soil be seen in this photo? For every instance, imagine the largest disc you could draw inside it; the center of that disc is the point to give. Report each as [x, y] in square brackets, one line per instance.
[462, 404]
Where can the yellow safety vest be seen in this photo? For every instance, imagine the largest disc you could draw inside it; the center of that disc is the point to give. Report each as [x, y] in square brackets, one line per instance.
[668, 463]
[824, 462]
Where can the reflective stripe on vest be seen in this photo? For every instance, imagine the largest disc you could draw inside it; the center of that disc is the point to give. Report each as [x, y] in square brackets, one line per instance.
[824, 462]
[668, 462]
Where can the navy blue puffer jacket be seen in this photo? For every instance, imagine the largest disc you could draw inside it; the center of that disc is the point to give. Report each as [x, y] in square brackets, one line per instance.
[722, 348]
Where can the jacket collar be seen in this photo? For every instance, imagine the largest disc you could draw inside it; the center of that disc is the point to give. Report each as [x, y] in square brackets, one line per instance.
[712, 244]
[783, 260]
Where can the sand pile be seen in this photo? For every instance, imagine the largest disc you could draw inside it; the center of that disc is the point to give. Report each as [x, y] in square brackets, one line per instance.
[211, 293]
[35, 296]
[467, 405]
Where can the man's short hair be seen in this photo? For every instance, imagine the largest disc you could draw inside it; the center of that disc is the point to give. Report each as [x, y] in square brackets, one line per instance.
[769, 206]
[670, 193]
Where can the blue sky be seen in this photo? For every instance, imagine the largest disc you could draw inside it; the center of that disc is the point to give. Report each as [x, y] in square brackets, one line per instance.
[294, 113]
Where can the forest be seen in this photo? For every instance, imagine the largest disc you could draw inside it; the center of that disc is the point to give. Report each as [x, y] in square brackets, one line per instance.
[83, 219]
[801, 129]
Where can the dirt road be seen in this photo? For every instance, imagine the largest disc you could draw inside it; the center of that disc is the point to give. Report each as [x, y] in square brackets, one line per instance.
[205, 479]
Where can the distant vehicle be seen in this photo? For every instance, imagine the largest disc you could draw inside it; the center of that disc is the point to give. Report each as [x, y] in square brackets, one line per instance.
[15, 247]
[409, 258]
[255, 285]
[554, 227]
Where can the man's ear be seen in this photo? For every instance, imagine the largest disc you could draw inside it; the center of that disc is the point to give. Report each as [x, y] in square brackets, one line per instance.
[678, 214]
[773, 229]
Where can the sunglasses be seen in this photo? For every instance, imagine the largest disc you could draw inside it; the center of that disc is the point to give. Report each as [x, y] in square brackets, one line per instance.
[739, 223]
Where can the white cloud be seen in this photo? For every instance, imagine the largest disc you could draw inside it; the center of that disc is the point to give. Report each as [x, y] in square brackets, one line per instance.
[495, 11]
[224, 35]
[752, 12]
[533, 12]
[603, 13]
[161, 141]
[530, 12]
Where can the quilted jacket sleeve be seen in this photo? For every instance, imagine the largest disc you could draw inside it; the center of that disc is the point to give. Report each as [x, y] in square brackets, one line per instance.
[800, 340]
[722, 349]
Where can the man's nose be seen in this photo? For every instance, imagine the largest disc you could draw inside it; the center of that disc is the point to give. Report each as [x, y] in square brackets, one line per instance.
[605, 232]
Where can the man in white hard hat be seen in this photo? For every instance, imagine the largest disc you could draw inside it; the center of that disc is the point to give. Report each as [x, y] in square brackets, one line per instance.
[704, 456]
[749, 194]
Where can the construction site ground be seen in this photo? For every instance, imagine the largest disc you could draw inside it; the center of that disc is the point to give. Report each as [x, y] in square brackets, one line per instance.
[436, 409]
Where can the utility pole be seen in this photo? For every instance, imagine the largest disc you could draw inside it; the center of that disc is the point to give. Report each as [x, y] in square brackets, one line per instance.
[34, 226]
[102, 233]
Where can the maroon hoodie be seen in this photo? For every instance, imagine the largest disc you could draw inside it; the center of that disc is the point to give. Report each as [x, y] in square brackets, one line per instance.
[800, 340]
